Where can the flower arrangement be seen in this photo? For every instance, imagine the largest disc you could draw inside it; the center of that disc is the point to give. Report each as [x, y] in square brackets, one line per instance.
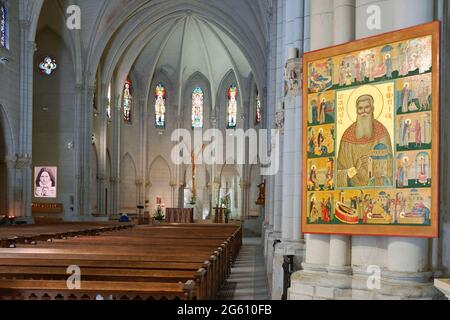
[159, 215]
[225, 204]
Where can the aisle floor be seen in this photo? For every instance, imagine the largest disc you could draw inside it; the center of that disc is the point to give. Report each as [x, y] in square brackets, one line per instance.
[248, 275]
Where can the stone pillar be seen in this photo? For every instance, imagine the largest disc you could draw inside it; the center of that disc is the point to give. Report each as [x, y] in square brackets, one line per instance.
[410, 255]
[245, 189]
[79, 91]
[276, 96]
[344, 31]
[303, 283]
[291, 208]
[84, 149]
[403, 261]
[102, 147]
[116, 112]
[318, 246]
[142, 110]
[11, 175]
[24, 174]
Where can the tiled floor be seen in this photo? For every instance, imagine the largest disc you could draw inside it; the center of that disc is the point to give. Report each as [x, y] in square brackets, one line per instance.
[248, 275]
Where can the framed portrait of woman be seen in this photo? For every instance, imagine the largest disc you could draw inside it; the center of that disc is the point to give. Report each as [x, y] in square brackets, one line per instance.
[45, 182]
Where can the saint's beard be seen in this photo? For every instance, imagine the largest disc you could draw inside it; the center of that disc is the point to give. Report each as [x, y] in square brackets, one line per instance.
[364, 127]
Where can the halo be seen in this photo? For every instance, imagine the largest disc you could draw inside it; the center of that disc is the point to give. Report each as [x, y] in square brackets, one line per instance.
[367, 89]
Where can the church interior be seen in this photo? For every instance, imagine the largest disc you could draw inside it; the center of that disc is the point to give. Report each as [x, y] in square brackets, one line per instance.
[167, 150]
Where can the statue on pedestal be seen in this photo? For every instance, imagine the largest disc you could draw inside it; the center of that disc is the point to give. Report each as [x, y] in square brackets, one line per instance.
[262, 194]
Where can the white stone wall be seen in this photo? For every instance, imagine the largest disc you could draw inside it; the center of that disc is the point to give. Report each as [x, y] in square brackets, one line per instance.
[53, 114]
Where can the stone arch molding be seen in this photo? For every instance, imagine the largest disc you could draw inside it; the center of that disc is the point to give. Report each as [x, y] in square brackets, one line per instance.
[127, 157]
[166, 164]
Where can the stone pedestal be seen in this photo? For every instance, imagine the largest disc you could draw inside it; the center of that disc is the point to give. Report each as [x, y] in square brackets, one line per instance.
[285, 248]
[317, 282]
[444, 286]
[271, 238]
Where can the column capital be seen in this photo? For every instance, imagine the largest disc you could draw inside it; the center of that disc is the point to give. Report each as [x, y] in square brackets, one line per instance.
[23, 162]
[114, 180]
[78, 88]
[25, 24]
[139, 182]
[91, 90]
[32, 46]
[244, 184]
[101, 178]
[11, 161]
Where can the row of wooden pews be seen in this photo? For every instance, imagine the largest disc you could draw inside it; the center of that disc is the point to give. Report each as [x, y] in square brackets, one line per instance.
[173, 261]
[12, 235]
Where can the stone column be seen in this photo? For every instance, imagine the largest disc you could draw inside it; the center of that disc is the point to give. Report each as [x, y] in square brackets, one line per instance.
[290, 245]
[318, 246]
[11, 175]
[142, 109]
[102, 146]
[84, 149]
[410, 255]
[79, 91]
[268, 120]
[116, 112]
[404, 261]
[279, 92]
[24, 171]
[344, 31]
[245, 188]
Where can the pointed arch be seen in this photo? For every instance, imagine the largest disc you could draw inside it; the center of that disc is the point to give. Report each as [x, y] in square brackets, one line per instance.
[128, 188]
[160, 177]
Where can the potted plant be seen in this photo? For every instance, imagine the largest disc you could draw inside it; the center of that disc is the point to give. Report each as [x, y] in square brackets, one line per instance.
[159, 215]
[193, 200]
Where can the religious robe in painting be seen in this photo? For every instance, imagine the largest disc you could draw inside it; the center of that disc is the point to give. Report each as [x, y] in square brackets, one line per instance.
[351, 149]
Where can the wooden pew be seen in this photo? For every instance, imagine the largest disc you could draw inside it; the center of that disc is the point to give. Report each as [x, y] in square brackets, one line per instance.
[166, 253]
[58, 290]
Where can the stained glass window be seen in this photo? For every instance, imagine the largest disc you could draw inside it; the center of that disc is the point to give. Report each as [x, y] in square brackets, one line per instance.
[258, 118]
[4, 26]
[160, 106]
[108, 103]
[127, 101]
[48, 65]
[197, 108]
[232, 106]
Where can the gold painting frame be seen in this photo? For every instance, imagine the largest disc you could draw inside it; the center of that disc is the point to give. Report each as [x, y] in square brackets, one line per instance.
[371, 136]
